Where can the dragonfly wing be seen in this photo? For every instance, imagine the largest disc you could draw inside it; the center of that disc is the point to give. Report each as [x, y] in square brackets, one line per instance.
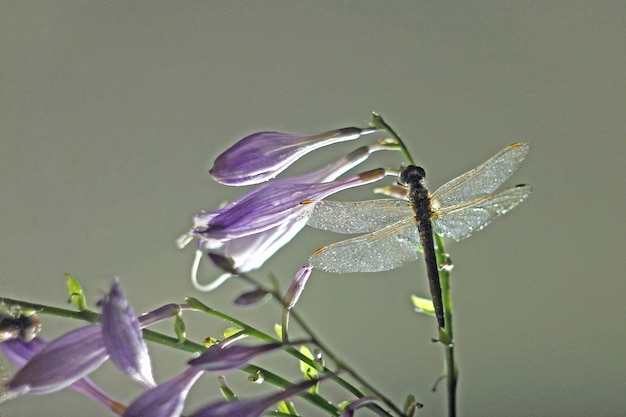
[461, 221]
[358, 216]
[381, 250]
[484, 179]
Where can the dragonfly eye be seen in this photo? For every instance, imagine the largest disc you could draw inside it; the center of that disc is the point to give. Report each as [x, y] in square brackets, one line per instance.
[411, 175]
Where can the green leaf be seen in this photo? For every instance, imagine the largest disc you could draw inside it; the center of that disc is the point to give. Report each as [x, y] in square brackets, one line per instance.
[444, 337]
[307, 370]
[197, 305]
[179, 327]
[232, 331]
[77, 296]
[423, 305]
[278, 329]
[227, 393]
[287, 407]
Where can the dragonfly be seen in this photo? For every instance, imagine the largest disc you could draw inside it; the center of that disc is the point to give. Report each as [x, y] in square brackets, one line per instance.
[397, 230]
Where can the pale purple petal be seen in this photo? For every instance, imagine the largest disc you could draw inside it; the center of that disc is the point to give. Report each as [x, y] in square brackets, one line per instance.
[155, 316]
[61, 362]
[166, 399]
[264, 209]
[297, 286]
[263, 155]
[251, 408]
[349, 410]
[19, 352]
[123, 338]
[252, 297]
[224, 357]
[251, 252]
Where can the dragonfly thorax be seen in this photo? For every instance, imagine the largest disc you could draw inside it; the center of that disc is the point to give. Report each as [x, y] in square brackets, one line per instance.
[412, 176]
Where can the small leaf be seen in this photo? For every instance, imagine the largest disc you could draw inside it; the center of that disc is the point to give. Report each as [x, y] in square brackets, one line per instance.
[227, 393]
[410, 405]
[423, 305]
[278, 329]
[77, 296]
[179, 327]
[444, 337]
[232, 331]
[307, 370]
[287, 407]
[195, 304]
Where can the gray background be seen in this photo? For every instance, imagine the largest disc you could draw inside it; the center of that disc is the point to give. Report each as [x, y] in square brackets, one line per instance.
[111, 113]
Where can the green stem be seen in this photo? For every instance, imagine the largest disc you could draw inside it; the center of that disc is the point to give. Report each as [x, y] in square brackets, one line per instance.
[379, 123]
[187, 345]
[450, 363]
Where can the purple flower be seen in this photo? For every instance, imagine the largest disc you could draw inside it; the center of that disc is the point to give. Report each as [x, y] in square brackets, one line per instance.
[221, 357]
[264, 209]
[251, 408]
[123, 338]
[261, 156]
[250, 252]
[166, 399]
[60, 363]
[297, 286]
[349, 410]
[19, 352]
[70, 357]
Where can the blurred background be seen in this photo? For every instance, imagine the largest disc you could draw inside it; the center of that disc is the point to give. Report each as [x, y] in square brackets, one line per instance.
[112, 112]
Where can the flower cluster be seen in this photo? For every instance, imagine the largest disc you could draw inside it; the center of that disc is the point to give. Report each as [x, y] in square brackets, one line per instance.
[65, 362]
[251, 229]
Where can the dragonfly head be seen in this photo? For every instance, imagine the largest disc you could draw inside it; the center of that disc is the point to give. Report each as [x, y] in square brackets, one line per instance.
[412, 175]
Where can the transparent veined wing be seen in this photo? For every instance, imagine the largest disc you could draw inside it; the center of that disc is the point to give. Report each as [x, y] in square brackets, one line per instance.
[484, 179]
[382, 250]
[358, 216]
[460, 221]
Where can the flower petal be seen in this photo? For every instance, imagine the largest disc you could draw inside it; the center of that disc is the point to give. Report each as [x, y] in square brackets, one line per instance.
[224, 357]
[123, 338]
[251, 408]
[61, 362]
[263, 209]
[297, 286]
[20, 352]
[263, 155]
[166, 399]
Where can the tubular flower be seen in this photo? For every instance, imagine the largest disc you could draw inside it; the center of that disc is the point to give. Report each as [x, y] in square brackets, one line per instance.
[19, 352]
[221, 357]
[60, 363]
[166, 399]
[70, 357]
[261, 210]
[250, 252]
[123, 338]
[251, 408]
[297, 286]
[261, 156]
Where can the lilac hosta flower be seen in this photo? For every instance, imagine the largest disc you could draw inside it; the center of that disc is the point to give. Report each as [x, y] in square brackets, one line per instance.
[166, 399]
[251, 408]
[250, 252]
[70, 357]
[123, 338]
[262, 209]
[297, 286]
[222, 357]
[349, 410]
[19, 352]
[261, 156]
[60, 363]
